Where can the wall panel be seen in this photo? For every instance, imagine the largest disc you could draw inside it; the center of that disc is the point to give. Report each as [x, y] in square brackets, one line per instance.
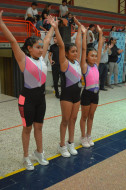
[107, 5]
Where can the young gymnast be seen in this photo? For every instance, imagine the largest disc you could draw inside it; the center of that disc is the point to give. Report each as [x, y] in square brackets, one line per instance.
[31, 102]
[69, 56]
[89, 99]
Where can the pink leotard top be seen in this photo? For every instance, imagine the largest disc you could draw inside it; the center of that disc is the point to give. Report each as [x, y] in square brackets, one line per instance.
[73, 73]
[91, 78]
[35, 72]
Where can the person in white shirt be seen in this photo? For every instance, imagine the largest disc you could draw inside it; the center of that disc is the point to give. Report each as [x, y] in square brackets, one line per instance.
[31, 12]
[63, 9]
[90, 35]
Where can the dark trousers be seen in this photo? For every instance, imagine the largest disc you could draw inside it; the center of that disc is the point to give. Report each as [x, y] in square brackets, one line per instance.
[56, 75]
[102, 74]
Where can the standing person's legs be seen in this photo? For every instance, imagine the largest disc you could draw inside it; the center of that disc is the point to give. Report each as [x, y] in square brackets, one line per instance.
[25, 110]
[38, 136]
[89, 102]
[55, 73]
[59, 77]
[106, 65]
[106, 81]
[124, 71]
[90, 118]
[83, 120]
[73, 118]
[38, 154]
[25, 139]
[40, 109]
[103, 76]
[111, 68]
[71, 128]
[101, 68]
[90, 123]
[66, 109]
[115, 73]
[84, 116]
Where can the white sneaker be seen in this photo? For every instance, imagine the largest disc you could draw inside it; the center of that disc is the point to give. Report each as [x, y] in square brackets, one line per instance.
[40, 157]
[27, 163]
[91, 143]
[72, 149]
[63, 151]
[85, 142]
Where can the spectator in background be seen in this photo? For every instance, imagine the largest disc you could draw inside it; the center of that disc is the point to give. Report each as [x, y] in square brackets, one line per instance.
[71, 24]
[54, 61]
[90, 36]
[70, 20]
[39, 24]
[124, 29]
[113, 29]
[45, 11]
[63, 9]
[121, 29]
[96, 36]
[113, 65]
[60, 22]
[31, 12]
[46, 24]
[45, 14]
[103, 62]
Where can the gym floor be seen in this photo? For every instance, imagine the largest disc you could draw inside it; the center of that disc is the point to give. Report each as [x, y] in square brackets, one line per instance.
[100, 167]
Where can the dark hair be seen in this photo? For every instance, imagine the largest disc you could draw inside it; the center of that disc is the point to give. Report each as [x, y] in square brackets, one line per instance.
[112, 27]
[69, 46]
[90, 49]
[91, 25]
[47, 5]
[64, 1]
[34, 3]
[111, 39]
[69, 13]
[38, 17]
[60, 23]
[98, 37]
[30, 42]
